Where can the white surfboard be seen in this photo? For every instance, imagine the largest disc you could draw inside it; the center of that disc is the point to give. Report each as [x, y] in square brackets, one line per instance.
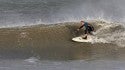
[80, 39]
[90, 38]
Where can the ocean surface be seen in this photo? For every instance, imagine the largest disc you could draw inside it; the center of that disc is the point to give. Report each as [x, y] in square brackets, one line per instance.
[37, 35]
[49, 47]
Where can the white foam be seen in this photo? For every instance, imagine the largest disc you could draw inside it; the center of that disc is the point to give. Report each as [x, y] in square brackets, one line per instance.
[32, 60]
[116, 37]
[99, 18]
[98, 40]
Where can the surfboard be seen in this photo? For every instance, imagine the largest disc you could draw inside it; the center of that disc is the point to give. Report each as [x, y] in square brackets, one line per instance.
[80, 39]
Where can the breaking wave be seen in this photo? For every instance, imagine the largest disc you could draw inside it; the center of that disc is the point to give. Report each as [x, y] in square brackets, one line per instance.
[53, 41]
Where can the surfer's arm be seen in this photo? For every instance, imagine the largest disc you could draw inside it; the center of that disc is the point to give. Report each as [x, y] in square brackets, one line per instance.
[80, 27]
[91, 26]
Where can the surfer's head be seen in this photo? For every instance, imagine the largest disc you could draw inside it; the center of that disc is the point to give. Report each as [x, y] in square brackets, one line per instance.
[82, 22]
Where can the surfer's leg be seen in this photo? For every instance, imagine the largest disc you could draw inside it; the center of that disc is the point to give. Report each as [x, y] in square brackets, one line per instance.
[89, 30]
[86, 30]
[85, 35]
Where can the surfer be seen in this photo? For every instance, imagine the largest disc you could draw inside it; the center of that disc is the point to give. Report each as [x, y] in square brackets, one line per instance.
[88, 28]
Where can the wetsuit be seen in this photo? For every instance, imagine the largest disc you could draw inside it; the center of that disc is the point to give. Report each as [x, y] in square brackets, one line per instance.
[88, 28]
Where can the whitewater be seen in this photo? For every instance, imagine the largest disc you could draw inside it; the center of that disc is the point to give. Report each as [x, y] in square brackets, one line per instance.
[37, 35]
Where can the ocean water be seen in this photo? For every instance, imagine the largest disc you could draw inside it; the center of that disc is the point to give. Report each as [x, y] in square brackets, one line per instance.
[63, 65]
[28, 12]
[49, 47]
[37, 35]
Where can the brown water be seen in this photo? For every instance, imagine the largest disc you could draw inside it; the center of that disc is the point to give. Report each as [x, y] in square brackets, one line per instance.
[54, 42]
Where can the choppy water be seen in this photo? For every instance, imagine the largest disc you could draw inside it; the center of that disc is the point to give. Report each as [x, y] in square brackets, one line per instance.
[54, 41]
[62, 65]
[27, 12]
[49, 47]
[44, 46]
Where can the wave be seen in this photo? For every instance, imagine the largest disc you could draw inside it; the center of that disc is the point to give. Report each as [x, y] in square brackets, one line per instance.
[54, 41]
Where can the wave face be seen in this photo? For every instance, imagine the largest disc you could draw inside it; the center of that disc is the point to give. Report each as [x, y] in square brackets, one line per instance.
[26, 12]
[54, 41]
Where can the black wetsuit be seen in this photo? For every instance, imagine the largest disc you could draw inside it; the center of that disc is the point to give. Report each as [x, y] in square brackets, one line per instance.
[88, 28]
